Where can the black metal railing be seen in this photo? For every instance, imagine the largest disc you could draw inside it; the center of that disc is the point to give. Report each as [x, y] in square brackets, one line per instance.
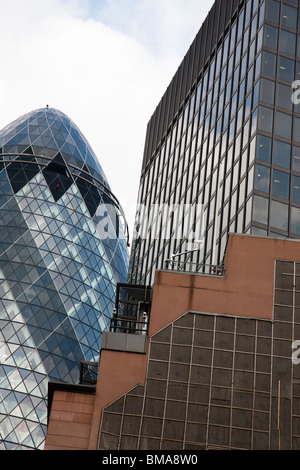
[130, 325]
[132, 309]
[195, 268]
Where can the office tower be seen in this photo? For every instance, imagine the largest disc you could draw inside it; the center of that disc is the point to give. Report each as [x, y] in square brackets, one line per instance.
[62, 252]
[222, 148]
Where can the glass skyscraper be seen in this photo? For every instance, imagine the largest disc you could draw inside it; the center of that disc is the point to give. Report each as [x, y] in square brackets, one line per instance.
[63, 249]
[224, 142]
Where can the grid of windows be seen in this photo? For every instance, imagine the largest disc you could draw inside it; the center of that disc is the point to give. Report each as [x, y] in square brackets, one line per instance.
[276, 203]
[58, 273]
[233, 147]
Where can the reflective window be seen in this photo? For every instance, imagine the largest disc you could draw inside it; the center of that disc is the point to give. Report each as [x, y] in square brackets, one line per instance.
[295, 220]
[267, 91]
[261, 13]
[282, 154]
[240, 24]
[223, 78]
[272, 11]
[281, 184]
[253, 27]
[244, 65]
[265, 119]
[241, 92]
[296, 159]
[254, 122]
[284, 96]
[204, 85]
[268, 66]
[259, 232]
[296, 129]
[236, 78]
[262, 178]
[258, 66]
[255, 94]
[248, 106]
[246, 40]
[287, 43]
[270, 36]
[252, 52]
[286, 69]
[279, 215]
[260, 209]
[239, 120]
[246, 132]
[298, 48]
[228, 90]
[211, 73]
[283, 125]
[296, 189]
[263, 148]
[289, 16]
[225, 50]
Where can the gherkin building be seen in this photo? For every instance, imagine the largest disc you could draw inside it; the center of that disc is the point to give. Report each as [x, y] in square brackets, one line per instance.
[63, 249]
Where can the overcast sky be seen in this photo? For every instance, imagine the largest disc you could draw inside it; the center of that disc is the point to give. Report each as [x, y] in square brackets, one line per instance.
[104, 63]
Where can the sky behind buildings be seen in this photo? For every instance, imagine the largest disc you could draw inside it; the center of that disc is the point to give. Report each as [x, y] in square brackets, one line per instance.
[105, 63]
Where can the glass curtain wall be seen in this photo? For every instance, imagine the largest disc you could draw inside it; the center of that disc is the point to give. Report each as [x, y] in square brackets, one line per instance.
[233, 148]
[276, 209]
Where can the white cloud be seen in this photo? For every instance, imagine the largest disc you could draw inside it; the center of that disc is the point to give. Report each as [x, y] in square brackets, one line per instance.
[163, 26]
[105, 64]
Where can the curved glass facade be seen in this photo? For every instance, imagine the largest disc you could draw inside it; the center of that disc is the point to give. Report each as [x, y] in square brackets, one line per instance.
[63, 249]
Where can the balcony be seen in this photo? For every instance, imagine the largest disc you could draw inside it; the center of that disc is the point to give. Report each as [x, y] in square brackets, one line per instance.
[129, 324]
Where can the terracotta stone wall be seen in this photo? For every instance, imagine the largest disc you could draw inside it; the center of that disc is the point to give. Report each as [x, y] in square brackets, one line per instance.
[216, 381]
[71, 416]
